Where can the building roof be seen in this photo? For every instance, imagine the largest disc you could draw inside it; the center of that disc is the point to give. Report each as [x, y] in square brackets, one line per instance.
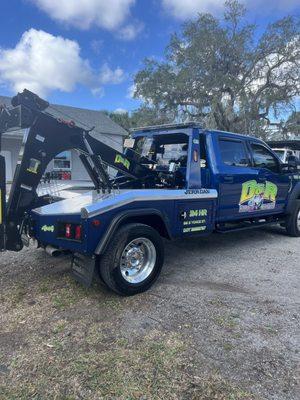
[289, 144]
[82, 117]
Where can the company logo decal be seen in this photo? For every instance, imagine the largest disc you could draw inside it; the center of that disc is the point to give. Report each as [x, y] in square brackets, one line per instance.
[47, 228]
[258, 196]
[121, 160]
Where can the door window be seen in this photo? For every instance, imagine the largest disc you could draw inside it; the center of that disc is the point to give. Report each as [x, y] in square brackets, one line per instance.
[233, 153]
[263, 158]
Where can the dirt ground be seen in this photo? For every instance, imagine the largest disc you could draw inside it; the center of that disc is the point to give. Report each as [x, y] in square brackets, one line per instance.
[221, 323]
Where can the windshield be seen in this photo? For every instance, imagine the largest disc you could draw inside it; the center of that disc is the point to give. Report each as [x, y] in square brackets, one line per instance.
[280, 154]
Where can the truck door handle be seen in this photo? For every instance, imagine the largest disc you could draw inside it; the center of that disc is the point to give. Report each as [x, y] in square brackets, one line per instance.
[228, 178]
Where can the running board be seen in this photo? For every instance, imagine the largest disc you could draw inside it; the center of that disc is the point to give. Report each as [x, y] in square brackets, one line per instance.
[250, 225]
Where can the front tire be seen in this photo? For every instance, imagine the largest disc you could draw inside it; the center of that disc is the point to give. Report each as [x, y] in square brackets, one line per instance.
[293, 221]
[133, 259]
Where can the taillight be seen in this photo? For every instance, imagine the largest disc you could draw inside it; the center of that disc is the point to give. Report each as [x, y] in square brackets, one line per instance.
[78, 232]
[68, 231]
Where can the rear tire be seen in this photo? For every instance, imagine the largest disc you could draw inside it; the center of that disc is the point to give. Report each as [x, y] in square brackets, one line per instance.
[293, 221]
[133, 259]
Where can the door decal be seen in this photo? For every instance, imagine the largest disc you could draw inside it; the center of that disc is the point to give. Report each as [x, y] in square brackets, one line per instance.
[258, 196]
[194, 220]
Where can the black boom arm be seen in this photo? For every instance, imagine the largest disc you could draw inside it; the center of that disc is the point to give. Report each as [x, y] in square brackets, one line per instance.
[48, 136]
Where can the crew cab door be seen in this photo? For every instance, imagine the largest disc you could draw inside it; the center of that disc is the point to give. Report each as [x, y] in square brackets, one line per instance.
[275, 184]
[234, 169]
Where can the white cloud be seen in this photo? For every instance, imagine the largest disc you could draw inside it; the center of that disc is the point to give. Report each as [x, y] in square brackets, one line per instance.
[42, 62]
[86, 13]
[107, 75]
[98, 92]
[130, 91]
[190, 8]
[130, 31]
[120, 111]
[96, 45]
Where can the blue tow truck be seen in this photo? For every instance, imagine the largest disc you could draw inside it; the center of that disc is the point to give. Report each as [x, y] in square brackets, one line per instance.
[172, 181]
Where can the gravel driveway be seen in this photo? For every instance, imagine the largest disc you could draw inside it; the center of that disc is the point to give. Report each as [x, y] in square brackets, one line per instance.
[222, 322]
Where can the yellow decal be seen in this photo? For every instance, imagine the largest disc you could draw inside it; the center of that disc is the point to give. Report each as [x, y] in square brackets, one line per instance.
[194, 222]
[47, 228]
[121, 160]
[258, 196]
[33, 166]
[195, 229]
[198, 213]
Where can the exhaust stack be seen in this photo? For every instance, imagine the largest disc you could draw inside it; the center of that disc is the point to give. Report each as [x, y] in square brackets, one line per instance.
[53, 251]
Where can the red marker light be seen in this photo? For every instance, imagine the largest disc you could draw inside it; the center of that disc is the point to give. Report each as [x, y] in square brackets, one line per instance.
[96, 223]
[78, 232]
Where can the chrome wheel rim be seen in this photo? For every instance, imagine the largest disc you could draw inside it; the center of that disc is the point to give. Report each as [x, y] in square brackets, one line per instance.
[138, 260]
[298, 221]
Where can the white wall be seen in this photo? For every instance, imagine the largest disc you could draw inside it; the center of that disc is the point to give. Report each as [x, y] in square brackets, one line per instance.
[8, 165]
[78, 171]
[13, 145]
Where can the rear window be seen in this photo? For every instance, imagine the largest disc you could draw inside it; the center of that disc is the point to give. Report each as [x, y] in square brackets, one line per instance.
[233, 153]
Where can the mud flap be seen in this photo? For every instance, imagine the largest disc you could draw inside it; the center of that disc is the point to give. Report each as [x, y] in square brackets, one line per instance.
[2, 203]
[83, 269]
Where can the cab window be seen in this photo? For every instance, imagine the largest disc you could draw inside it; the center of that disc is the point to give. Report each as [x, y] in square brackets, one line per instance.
[233, 152]
[159, 151]
[263, 158]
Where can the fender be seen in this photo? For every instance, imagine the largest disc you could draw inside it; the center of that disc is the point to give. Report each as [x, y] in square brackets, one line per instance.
[117, 221]
[294, 195]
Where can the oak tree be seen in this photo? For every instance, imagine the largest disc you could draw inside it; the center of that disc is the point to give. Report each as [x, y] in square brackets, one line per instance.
[221, 72]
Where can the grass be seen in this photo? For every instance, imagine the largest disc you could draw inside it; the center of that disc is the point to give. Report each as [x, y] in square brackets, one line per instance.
[228, 346]
[17, 294]
[153, 367]
[66, 342]
[216, 388]
[227, 321]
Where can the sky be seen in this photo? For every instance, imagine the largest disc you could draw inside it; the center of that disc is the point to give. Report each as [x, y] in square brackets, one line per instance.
[85, 53]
